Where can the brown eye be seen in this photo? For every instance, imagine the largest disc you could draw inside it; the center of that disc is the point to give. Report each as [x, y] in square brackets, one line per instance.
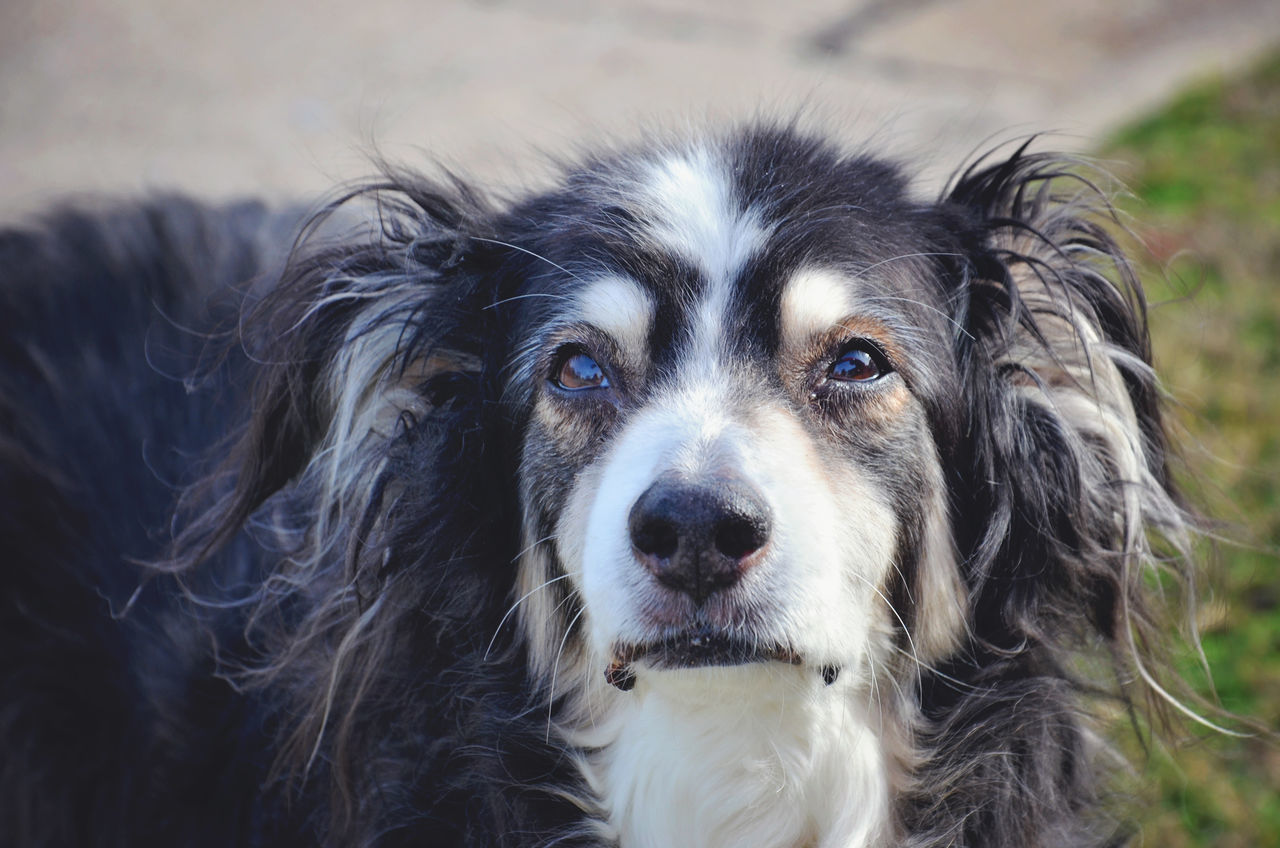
[579, 372]
[860, 363]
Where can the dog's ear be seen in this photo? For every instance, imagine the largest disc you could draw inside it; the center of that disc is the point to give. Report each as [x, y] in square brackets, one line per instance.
[375, 330]
[365, 474]
[1065, 480]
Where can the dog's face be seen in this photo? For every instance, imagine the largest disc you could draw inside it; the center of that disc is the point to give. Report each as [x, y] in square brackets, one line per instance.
[736, 364]
[773, 424]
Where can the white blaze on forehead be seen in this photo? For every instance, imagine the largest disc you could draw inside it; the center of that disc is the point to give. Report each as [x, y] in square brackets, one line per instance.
[696, 216]
[619, 307]
[813, 301]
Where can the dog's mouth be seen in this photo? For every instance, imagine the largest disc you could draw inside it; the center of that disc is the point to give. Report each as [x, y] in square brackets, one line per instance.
[702, 648]
[698, 649]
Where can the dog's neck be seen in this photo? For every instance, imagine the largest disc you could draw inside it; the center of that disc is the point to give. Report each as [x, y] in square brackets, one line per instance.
[767, 755]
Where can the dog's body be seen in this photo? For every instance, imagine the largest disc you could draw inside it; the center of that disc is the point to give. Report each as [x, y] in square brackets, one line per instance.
[725, 495]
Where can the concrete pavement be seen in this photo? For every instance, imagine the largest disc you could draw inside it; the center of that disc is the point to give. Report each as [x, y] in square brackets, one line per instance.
[276, 98]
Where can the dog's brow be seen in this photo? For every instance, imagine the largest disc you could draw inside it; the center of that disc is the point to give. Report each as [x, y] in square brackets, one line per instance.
[619, 307]
[813, 300]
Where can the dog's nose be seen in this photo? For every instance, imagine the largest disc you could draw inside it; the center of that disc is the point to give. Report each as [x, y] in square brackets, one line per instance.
[699, 537]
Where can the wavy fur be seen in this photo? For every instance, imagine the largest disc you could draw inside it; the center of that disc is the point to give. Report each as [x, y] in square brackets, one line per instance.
[366, 633]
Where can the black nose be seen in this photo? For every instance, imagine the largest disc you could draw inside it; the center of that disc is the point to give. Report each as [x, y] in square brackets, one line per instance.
[698, 537]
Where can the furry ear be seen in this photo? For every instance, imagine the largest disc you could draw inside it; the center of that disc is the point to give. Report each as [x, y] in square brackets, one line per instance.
[1061, 500]
[1069, 484]
[371, 441]
[365, 332]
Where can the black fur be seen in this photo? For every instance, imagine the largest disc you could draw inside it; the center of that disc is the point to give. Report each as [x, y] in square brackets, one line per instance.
[251, 680]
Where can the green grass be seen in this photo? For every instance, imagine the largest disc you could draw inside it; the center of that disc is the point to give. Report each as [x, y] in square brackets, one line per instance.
[1205, 172]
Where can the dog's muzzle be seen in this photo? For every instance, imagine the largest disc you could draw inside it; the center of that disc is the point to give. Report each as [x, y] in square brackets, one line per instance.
[698, 537]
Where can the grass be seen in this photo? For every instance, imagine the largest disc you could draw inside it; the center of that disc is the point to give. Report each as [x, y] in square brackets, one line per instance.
[1206, 184]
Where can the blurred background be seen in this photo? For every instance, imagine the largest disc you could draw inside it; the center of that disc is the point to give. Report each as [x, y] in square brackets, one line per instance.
[1179, 98]
[283, 98]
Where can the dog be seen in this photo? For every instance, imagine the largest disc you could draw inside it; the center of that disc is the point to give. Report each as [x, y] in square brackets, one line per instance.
[725, 493]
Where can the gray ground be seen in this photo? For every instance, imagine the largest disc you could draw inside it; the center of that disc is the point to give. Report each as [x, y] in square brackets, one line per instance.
[281, 98]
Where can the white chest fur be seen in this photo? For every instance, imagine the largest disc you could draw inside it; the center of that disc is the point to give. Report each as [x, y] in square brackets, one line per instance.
[768, 757]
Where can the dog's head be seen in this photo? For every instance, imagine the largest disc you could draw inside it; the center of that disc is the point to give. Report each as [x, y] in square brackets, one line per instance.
[733, 403]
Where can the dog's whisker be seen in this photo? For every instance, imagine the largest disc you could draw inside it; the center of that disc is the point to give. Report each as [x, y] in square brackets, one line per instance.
[906, 631]
[517, 297]
[518, 602]
[866, 269]
[555, 669]
[527, 252]
[550, 537]
[964, 331]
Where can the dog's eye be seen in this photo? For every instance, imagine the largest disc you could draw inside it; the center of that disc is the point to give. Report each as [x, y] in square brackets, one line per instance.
[578, 372]
[860, 362]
